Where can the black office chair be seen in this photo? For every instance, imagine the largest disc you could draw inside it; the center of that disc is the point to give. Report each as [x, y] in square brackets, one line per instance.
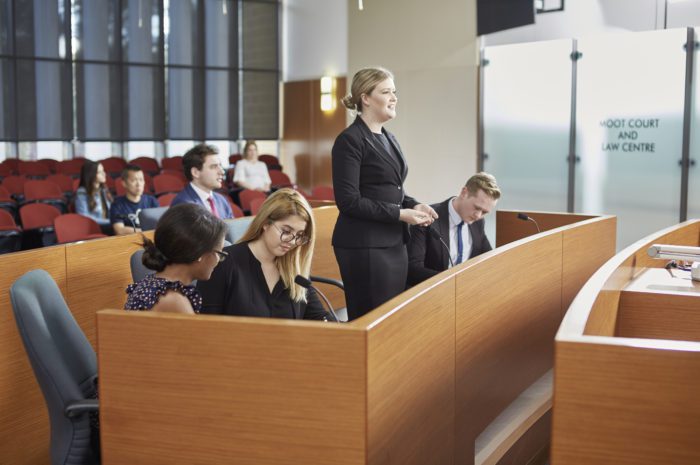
[341, 313]
[64, 363]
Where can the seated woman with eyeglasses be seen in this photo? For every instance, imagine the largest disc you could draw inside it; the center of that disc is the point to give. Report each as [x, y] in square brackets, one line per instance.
[187, 246]
[258, 277]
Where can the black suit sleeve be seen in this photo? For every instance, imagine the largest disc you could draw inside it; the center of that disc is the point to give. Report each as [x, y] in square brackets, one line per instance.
[417, 271]
[214, 290]
[347, 160]
[314, 308]
[408, 201]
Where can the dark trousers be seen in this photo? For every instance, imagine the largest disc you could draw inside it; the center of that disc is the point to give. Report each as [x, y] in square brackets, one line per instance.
[371, 276]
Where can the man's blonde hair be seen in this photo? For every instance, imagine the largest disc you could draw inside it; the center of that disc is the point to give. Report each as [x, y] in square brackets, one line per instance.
[485, 182]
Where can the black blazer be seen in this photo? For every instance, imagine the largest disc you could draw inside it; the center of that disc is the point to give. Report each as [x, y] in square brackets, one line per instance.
[427, 256]
[368, 185]
[238, 287]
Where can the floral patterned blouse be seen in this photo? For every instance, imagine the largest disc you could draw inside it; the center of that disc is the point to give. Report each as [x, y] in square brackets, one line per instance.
[144, 294]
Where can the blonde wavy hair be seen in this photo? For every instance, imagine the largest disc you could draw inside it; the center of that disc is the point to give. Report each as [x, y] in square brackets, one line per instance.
[279, 206]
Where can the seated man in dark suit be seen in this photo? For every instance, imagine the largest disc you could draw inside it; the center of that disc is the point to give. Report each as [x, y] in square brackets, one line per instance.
[203, 169]
[459, 228]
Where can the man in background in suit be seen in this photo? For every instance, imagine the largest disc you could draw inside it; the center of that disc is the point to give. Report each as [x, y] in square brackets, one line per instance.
[459, 228]
[203, 169]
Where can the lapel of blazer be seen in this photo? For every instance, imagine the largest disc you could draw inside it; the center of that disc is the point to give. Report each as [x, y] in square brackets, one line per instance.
[444, 228]
[369, 138]
[475, 232]
[394, 143]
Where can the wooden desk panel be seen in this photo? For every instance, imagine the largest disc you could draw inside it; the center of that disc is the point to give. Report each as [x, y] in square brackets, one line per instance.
[659, 316]
[508, 309]
[510, 229]
[98, 272]
[211, 390]
[410, 376]
[324, 263]
[618, 405]
[586, 248]
[24, 422]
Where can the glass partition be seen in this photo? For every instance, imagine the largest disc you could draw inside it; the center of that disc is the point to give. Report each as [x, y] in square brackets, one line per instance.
[694, 172]
[630, 91]
[527, 109]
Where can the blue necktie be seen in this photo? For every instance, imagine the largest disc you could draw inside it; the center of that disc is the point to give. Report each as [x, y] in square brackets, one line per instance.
[460, 245]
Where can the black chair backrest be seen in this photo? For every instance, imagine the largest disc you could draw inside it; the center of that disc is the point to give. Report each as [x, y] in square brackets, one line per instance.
[64, 362]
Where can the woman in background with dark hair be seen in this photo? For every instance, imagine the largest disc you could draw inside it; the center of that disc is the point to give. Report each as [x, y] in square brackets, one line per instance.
[187, 246]
[92, 199]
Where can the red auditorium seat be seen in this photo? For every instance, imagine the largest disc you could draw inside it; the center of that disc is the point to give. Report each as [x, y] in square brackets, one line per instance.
[50, 163]
[247, 195]
[70, 167]
[322, 193]
[279, 179]
[166, 183]
[37, 221]
[10, 233]
[234, 158]
[63, 181]
[45, 191]
[147, 164]
[33, 169]
[72, 227]
[255, 205]
[113, 166]
[15, 186]
[172, 163]
[166, 199]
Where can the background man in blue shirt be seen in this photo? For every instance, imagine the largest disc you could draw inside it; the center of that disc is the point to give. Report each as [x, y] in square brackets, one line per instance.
[124, 213]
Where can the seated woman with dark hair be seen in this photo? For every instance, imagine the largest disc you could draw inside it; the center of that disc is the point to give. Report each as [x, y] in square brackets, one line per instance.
[92, 199]
[187, 246]
[258, 278]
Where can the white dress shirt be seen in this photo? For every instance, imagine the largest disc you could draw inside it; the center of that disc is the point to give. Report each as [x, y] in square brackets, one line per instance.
[455, 219]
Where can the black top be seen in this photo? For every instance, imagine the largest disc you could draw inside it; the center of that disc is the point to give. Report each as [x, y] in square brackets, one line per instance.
[368, 184]
[238, 287]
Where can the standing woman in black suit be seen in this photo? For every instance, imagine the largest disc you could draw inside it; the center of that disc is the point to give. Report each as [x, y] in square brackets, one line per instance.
[369, 169]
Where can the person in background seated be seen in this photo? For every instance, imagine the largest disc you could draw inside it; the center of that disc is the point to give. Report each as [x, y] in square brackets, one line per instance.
[93, 199]
[124, 213]
[258, 278]
[187, 246]
[427, 256]
[250, 172]
[203, 169]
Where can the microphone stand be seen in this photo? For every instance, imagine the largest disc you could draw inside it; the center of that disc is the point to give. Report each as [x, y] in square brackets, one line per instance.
[437, 235]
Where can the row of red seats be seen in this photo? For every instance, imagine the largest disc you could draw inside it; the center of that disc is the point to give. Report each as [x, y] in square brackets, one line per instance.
[113, 165]
[49, 226]
[37, 189]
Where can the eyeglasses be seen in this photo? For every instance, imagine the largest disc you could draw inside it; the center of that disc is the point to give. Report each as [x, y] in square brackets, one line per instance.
[221, 254]
[288, 236]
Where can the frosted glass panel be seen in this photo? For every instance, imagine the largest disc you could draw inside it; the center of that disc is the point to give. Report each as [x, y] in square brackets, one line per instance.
[527, 95]
[630, 129]
[694, 178]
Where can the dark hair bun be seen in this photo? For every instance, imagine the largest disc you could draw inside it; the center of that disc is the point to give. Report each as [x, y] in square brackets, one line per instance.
[152, 258]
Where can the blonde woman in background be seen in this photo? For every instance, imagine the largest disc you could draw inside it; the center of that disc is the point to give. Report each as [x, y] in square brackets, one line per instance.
[250, 172]
[257, 279]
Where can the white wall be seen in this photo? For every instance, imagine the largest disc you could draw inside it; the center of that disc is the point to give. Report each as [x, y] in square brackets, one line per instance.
[431, 48]
[315, 39]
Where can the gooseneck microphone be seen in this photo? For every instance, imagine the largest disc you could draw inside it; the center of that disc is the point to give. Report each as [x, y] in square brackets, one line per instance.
[436, 234]
[524, 217]
[306, 284]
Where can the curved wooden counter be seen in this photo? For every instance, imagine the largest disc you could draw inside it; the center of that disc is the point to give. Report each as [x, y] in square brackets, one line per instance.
[415, 381]
[627, 370]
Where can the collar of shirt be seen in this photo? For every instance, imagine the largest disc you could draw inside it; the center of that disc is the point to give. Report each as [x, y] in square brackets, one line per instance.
[455, 219]
[203, 195]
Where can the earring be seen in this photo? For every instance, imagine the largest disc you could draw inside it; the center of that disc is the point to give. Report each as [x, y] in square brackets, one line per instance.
[199, 259]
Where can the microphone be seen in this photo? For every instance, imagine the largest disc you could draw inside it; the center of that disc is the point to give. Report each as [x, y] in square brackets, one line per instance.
[524, 217]
[131, 217]
[436, 234]
[306, 284]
